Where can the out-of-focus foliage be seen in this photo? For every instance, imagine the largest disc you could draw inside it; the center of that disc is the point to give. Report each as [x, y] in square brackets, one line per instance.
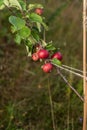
[24, 98]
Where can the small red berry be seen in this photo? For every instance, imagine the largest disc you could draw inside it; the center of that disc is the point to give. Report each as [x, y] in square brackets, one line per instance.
[47, 67]
[35, 57]
[39, 11]
[43, 54]
[57, 55]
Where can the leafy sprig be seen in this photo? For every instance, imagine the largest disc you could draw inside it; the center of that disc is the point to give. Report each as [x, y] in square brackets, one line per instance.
[27, 25]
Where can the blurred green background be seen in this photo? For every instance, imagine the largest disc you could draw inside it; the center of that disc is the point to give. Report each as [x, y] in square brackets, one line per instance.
[24, 96]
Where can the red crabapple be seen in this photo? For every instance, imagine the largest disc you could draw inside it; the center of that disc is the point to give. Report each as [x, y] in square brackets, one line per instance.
[47, 67]
[39, 11]
[57, 55]
[43, 54]
[35, 57]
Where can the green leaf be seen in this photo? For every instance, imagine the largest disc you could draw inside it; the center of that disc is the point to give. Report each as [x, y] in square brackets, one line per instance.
[38, 26]
[32, 40]
[23, 5]
[13, 3]
[56, 62]
[13, 29]
[43, 43]
[50, 47]
[17, 22]
[35, 18]
[29, 47]
[24, 32]
[28, 43]
[33, 6]
[34, 28]
[35, 34]
[1, 4]
[18, 39]
[28, 51]
[2, 7]
[45, 26]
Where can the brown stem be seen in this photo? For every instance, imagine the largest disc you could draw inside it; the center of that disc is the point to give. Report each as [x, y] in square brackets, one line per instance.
[51, 104]
[10, 9]
[63, 77]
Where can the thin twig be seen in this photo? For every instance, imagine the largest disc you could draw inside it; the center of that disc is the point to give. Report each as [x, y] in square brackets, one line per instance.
[78, 70]
[44, 34]
[66, 81]
[77, 74]
[51, 104]
[10, 9]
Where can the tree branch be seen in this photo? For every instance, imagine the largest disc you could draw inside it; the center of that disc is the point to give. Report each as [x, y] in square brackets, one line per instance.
[63, 77]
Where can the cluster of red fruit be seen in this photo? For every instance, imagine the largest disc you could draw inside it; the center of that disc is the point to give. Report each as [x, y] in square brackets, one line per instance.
[42, 53]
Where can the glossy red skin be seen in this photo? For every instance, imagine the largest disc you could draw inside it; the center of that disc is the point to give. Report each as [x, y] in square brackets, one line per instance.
[43, 54]
[47, 67]
[35, 57]
[57, 55]
[39, 11]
